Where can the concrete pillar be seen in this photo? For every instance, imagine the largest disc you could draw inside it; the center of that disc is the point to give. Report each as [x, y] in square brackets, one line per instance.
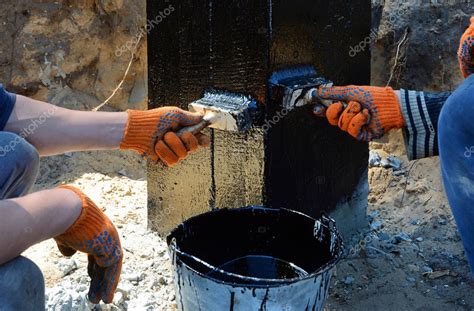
[300, 163]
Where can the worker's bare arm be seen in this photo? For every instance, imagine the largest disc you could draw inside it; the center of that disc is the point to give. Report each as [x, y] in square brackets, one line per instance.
[34, 218]
[54, 130]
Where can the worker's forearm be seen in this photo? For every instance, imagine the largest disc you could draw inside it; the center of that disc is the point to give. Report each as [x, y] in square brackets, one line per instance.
[34, 218]
[54, 130]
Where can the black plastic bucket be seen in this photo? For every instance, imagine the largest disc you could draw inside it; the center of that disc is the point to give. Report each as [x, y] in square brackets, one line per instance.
[253, 258]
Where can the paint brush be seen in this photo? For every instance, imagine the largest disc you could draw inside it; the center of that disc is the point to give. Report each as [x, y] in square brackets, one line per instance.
[298, 86]
[223, 111]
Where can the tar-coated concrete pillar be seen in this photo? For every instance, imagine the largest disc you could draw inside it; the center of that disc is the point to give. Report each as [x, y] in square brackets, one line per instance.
[299, 163]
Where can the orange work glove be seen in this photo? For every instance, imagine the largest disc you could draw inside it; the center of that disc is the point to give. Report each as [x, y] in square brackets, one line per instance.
[466, 51]
[365, 112]
[151, 133]
[94, 234]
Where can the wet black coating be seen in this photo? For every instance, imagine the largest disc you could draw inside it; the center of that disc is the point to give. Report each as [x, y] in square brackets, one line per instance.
[220, 237]
[311, 166]
[236, 45]
[240, 49]
[179, 70]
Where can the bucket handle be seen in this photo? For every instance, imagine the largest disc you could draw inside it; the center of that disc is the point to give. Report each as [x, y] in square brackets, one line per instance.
[174, 250]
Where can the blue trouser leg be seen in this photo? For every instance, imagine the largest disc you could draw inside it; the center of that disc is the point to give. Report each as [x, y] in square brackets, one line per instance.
[19, 165]
[456, 145]
[21, 281]
[21, 286]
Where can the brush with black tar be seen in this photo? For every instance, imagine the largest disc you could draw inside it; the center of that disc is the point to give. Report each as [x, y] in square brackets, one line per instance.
[223, 111]
[298, 86]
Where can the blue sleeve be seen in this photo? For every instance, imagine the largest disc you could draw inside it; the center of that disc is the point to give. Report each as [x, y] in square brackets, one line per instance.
[7, 102]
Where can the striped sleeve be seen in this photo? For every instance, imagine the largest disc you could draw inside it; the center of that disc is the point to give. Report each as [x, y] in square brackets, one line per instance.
[421, 112]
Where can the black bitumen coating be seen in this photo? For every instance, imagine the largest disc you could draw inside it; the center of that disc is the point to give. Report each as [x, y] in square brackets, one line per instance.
[301, 162]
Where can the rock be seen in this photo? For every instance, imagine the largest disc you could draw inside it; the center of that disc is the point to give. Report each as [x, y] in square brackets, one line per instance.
[82, 288]
[401, 237]
[374, 159]
[417, 188]
[67, 267]
[376, 225]
[419, 239]
[426, 269]
[392, 162]
[437, 274]
[123, 172]
[80, 301]
[415, 222]
[384, 236]
[119, 298]
[411, 279]
[66, 297]
[374, 215]
[133, 277]
[348, 280]
[83, 280]
[146, 301]
[110, 6]
[104, 307]
[125, 289]
[162, 281]
[59, 300]
[398, 173]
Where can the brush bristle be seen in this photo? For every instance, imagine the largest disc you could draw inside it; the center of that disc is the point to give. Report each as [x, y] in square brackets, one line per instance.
[227, 101]
[241, 107]
[290, 73]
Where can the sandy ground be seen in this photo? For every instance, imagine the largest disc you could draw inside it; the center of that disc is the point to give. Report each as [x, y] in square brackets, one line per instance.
[116, 181]
[424, 268]
[430, 272]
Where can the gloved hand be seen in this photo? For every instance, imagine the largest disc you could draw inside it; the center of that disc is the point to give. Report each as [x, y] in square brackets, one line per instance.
[151, 133]
[365, 112]
[466, 51]
[94, 234]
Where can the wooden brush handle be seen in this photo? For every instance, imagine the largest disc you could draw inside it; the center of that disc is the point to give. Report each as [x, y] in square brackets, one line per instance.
[194, 129]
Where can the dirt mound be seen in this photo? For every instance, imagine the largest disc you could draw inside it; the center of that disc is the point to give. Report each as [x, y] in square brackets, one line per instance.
[82, 45]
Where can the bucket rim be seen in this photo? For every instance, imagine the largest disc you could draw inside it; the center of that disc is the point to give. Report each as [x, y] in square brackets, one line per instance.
[272, 283]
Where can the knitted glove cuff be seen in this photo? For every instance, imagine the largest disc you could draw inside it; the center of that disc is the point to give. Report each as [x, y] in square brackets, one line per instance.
[388, 110]
[81, 225]
[139, 132]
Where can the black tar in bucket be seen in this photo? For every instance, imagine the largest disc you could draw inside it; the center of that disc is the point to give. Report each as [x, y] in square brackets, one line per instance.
[253, 258]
